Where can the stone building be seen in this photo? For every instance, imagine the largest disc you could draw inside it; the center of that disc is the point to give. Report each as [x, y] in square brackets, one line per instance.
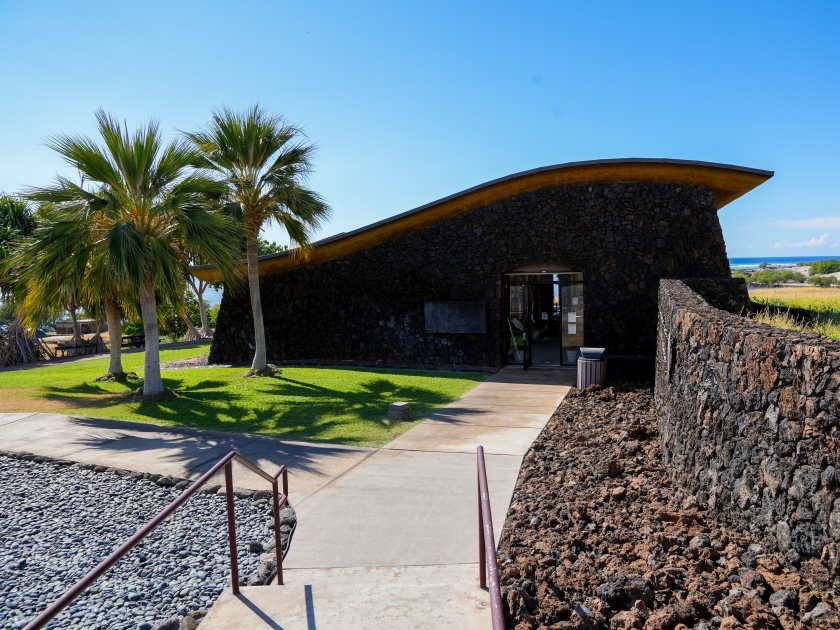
[520, 270]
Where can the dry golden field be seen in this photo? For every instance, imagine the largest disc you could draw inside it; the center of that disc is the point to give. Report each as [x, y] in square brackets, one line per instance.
[825, 301]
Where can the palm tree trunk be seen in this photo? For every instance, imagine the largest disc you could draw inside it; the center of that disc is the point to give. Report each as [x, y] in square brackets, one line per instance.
[112, 316]
[259, 362]
[152, 383]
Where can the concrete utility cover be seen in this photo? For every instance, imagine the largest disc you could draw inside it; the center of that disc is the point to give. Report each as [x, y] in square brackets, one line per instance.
[399, 411]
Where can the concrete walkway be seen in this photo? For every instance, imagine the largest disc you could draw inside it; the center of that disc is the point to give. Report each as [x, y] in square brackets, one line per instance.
[177, 451]
[394, 527]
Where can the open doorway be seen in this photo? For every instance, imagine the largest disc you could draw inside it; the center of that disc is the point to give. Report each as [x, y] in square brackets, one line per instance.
[544, 315]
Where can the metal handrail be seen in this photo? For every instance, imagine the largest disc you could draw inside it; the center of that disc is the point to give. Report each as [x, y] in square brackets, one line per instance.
[487, 547]
[227, 463]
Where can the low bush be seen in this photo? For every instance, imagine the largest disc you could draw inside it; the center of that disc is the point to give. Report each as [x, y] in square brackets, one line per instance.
[132, 328]
[832, 265]
[823, 281]
[213, 315]
[776, 276]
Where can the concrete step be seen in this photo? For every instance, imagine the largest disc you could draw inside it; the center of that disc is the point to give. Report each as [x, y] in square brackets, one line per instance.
[369, 598]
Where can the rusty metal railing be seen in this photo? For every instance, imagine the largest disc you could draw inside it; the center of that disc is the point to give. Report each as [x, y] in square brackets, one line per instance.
[487, 547]
[227, 463]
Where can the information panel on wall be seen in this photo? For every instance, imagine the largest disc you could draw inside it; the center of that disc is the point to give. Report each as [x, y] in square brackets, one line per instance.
[455, 317]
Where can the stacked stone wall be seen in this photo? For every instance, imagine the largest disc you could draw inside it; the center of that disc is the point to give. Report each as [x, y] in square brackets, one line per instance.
[367, 307]
[749, 418]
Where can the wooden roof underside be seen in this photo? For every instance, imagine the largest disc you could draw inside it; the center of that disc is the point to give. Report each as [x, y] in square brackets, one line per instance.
[728, 183]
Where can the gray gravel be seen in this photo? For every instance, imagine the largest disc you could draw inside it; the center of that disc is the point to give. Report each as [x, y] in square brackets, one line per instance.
[58, 522]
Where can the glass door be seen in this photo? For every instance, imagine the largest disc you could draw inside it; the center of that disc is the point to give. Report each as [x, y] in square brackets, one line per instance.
[544, 316]
[519, 324]
[572, 317]
[529, 326]
[546, 324]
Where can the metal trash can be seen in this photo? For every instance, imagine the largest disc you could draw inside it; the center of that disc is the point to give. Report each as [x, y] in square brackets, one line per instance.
[591, 368]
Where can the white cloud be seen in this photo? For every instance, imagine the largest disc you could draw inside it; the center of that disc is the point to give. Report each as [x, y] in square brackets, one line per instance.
[814, 242]
[817, 223]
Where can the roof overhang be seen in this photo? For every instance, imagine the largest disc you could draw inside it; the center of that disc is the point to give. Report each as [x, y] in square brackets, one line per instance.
[728, 183]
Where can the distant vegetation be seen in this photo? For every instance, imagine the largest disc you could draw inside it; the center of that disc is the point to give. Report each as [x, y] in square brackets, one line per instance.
[831, 265]
[823, 281]
[770, 276]
[265, 247]
[213, 314]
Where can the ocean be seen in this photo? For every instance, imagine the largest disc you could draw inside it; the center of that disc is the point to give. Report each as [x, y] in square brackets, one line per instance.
[787, 261]
[212, 296]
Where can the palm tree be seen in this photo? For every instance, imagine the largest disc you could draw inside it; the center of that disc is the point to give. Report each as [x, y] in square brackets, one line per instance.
[264, 168]
[140, 201]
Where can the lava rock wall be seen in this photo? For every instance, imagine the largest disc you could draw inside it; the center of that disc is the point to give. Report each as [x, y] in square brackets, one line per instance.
[748, 416]
[367, 307]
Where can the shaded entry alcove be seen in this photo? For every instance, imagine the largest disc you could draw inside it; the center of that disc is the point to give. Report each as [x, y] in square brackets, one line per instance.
[544, 314]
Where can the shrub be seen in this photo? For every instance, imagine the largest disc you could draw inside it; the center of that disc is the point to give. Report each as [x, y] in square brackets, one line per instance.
[822, 281]
[132, 328]
[213, 315]
[776, 276]
[832, 265]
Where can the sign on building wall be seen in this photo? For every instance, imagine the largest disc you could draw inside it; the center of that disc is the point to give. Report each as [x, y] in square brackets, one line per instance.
[455, 317]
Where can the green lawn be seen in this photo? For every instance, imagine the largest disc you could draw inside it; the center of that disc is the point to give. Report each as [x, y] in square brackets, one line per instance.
[346, 405]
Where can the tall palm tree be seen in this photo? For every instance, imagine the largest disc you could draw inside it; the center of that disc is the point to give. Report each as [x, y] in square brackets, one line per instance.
[264, 167]
[140, 201]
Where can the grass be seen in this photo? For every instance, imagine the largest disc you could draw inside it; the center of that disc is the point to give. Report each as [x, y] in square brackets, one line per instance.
[824, 301]
[345, 405]
[784, 320]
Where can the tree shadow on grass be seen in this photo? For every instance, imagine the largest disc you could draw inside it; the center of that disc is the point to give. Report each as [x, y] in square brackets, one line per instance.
[288, 408]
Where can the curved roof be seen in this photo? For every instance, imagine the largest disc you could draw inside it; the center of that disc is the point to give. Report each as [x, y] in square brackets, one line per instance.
[728, 182]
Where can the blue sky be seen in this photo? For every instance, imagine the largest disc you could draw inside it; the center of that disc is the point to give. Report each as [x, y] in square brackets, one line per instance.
[410, 102]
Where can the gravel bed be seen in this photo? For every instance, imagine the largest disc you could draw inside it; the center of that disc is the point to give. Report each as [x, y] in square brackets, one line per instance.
[598, 537]
[192, 362]
[58, 521]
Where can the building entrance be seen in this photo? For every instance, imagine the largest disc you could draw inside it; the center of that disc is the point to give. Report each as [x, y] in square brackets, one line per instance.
[544, 318]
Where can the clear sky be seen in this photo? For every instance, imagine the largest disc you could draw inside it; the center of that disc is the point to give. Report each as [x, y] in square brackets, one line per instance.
[410, 102]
